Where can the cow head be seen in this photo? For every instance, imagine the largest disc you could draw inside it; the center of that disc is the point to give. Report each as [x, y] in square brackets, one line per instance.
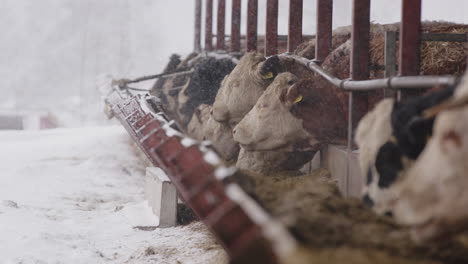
[379, 156]
[243, 86]
[390, 138]
[203, 86]
[432, 198]
[270, 124]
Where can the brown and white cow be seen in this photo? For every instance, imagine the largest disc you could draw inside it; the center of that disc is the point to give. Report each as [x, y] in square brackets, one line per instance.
[241, 89]
[202, 126]
[433, 197]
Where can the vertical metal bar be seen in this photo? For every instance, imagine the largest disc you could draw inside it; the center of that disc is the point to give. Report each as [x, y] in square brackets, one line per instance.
[295, 24]
[350, 143]
[410, 37]
[323, 43]
[221, 22]
[252, 25]
[357, 105]
[360, 53]
[197, 37]
[466, 46]
[390, 59]
[209, 26]
[271, 38]
[235, 25]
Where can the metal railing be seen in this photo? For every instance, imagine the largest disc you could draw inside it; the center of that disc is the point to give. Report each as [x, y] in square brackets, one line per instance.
[409, 36]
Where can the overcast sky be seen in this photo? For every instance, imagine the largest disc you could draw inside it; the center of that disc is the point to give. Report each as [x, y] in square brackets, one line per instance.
[55, 48]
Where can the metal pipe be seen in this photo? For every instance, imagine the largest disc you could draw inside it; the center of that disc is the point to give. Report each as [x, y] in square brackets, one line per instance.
[197, 37]
[271, 38]
[295, 24]
[397, 82]
[221, 23]
[323, 43]
[209, 26]
[252, 25]
[235, 26]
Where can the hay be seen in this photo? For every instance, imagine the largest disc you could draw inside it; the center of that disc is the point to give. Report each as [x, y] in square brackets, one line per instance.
[312, 208]
[437, 58]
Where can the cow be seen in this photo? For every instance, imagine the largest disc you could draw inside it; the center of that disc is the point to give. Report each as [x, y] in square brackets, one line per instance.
[243, 86]
[432, 198]
[203, 127]
[203, 85]
[182, 94]
[270, 127]
[390, 138]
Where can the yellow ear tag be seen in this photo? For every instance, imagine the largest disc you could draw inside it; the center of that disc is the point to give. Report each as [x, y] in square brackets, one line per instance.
[269, 75]
[298, 99]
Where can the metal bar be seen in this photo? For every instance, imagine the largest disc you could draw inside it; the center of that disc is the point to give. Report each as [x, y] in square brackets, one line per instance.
[271, 38]
[323, 43]
[442, 37]
[252, 25]
[466, 46]
[449, 37]
[235, 26]
[197, 37]
[398, 82]
[390, 59]
[209, 26]
[221, 22]
[161, 75]
[295, 24]
[360, 40]
[410, 38]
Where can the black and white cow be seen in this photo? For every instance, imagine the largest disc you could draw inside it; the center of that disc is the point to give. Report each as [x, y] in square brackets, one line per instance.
[390, 139]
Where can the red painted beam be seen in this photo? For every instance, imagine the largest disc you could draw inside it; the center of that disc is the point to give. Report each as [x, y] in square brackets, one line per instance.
[410, 37]
[209, 26]
[252, 25]
[197, 30]
[271, 38]
[221, 21]
[235, 26]
[323, 44]
[295, 24]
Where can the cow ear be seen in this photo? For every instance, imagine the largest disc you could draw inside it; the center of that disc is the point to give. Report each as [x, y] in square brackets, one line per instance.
[270, 68]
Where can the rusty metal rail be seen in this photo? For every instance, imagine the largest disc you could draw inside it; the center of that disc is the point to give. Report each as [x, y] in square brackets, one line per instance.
[201, 179]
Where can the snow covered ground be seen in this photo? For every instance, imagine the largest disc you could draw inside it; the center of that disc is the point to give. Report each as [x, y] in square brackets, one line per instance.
[75, 196]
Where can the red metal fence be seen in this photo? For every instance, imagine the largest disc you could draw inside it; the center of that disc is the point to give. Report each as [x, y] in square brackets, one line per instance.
[409, 52]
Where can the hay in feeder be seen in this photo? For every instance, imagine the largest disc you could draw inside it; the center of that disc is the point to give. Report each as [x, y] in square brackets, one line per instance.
[324, 222]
